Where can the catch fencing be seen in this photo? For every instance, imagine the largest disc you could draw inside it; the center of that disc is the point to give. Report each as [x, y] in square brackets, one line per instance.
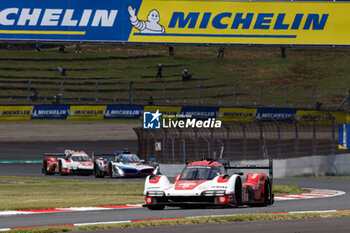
[276, 138]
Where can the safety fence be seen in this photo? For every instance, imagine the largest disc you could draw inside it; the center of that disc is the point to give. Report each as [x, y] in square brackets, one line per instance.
[279, 139]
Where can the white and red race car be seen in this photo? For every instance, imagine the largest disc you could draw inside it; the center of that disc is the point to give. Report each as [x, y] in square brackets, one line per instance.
[69, 162]
[206, 182]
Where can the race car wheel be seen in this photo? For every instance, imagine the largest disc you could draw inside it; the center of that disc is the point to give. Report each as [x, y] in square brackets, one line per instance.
[238, 191]
[156, 207]
[97, 172]
[267, 193]
[44, 169]
[110, 167]
[60, 169]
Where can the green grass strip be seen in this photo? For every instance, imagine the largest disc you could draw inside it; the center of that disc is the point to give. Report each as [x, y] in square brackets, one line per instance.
[43, 193]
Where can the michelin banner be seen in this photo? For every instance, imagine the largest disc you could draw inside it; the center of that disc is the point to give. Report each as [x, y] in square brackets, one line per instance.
[15, 112]
[171, 21]
[344, 137]
[99, 112]
[50, 112]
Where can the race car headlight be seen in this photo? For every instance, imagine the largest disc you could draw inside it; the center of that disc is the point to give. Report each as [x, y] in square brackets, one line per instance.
[155, 193]
[213, 193]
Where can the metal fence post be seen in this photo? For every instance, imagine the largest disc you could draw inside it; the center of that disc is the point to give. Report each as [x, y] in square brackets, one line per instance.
[62, 85]
[155, 138]
[28, 87]
[331, 158]
[96, 91]
[313, 98]
[212, 147]
[196, 143]
[260, 95]
[164, 87]
[314, 140]
[228, 141]
[199, 93]
[296, 145]
[261, 139]
[244, 129]
[181, 146]
[234, 94]
[278, 137]
[208, 143]
[148, 142]
[130, 92]
[165, 147]
[172, 148]
[285, 95]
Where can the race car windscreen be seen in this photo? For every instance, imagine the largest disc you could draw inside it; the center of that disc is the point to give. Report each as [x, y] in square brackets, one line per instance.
[131, 159]
[201, 172]
[80, 158]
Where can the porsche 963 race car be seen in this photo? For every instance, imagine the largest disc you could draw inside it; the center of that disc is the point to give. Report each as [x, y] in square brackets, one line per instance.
[69, 162]
[206, 182]
[122, 164]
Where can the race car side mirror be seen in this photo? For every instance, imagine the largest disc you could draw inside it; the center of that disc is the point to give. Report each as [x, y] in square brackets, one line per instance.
[142, 161]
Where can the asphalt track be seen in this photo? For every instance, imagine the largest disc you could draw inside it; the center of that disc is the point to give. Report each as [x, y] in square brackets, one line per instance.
[333, 203]
[31, 150]
[35, 150]
[319, 225]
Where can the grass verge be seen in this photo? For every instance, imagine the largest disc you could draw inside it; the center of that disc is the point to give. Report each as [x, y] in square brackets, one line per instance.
[199, 220]
[43, 193]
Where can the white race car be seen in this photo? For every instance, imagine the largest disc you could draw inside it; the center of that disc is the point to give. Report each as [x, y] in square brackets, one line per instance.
[69, 162]
[206, 182]
[123, 164]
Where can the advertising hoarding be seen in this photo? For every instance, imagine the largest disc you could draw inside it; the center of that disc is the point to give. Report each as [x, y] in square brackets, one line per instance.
[170, 21]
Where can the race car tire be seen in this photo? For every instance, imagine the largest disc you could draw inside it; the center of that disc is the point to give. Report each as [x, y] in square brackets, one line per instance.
[110, 167]
[60, 169]
[267, 193]
[97, 172]
[238, 191]
[44, 169]
[156, 207]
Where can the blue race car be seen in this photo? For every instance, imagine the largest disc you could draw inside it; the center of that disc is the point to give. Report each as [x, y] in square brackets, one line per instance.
[123, 164]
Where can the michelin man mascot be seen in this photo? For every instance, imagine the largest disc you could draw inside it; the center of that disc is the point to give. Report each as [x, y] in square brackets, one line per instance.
[150, 26]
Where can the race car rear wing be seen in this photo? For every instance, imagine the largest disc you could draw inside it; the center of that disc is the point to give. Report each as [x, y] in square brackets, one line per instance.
[96, 156]
[253, 166]
[54, 154]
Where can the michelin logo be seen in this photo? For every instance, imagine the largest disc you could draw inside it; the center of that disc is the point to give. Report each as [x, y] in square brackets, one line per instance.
[151, 120]
[149, 26]
[57, 17]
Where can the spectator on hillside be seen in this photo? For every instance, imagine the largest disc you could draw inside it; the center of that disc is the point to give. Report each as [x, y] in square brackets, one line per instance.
[186, 76]
[171, 50]
[318, 105]
[57, 99]
[34, 95]
[77, 48]
[150, 101]
[62, 49]
[160, 69]
[61, 70]
[38, 47]
[221, 52]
